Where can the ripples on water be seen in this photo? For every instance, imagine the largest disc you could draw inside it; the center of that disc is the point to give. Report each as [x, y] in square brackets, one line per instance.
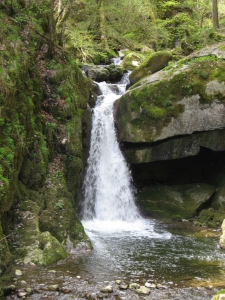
[146, 249]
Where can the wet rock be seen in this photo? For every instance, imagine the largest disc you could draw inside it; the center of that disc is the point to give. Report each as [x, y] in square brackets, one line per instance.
[150, 285]
[169, 201]
[66, 290]
[18, 273]
[123, 287]
[143, 290]
[160, 286]
[78, 277]
[7, 290]
[134, 286]
[118, 281]
[51, 271]
[29, 290]
[22, 294]
[53, 287]
[107, 289]
[98, 74]
[115, 72]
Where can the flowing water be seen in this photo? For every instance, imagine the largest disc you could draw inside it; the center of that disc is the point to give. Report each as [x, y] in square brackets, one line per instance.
[108, 193]
[125, 244]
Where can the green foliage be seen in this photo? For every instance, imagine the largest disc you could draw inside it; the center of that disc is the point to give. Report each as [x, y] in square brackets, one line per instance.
[59, 205]
[222, 291]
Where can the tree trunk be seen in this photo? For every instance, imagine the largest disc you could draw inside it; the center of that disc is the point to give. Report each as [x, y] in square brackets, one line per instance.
[215, 14]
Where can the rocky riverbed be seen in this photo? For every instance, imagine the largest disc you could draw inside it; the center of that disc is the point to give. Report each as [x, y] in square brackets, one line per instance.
[37, 283]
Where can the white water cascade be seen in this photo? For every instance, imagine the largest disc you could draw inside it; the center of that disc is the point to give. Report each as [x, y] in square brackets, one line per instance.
[108, 191]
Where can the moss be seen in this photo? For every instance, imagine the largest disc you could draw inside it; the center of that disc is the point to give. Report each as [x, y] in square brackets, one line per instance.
[151, 65]
[53, 251]
[205, 216]
[130, 60]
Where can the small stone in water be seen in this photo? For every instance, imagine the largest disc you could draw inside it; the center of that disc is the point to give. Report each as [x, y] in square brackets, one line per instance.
[66, 290]
[78, 277]
[107, 289]
[22, 294]
[118, 281]
[160, 286]
[147, 284]
[134, 286]
[151, 286]
[143, 290]
[29, 290]
[18, 272]
[53, 287]
[23, 282]
[123, 287]
[51, 271]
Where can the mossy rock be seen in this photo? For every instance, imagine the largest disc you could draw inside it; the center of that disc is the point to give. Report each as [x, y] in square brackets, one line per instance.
[154, 63]
[174, 202]
[59, 217]
[206, 216]
[53, 250]
[98, 74]
[132, 60]
[194, 96]
[115, 72]
[31, 245]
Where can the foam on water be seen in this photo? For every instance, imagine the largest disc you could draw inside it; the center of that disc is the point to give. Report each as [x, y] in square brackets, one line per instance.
[139, 228]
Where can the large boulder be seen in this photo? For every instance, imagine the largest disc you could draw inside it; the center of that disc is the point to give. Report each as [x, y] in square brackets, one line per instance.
[103, 73]
[132, 60]
[185, 99]
[177, 201]
[154, 63]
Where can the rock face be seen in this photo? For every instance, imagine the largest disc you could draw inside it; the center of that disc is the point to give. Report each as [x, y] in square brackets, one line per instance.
[42, 103]
[172, 128]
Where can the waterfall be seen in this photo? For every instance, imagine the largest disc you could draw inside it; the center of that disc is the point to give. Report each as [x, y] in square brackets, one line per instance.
[108, 190]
